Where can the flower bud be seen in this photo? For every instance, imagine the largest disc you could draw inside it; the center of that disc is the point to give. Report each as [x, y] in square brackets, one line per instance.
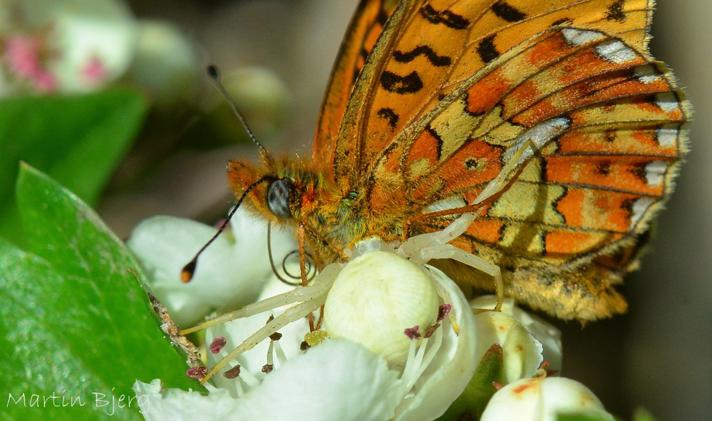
[542, 399]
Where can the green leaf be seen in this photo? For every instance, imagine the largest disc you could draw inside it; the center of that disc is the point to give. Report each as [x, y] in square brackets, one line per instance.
[77, 140]
[642, 414]
[473, 400]
[74, 320]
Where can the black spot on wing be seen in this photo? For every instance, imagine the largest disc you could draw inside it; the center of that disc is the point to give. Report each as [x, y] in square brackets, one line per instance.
[556, 204]
[507, 12]
[610, 135]
[627, 206]
[390, 115]
[422, 50]
[615, 11]
[472, 164]
[487, 50]
[639, 171]
[446, 17]
[436, 136]
[382, 17]
[407, 84]
[603, 168]
[562, 21]
[355, 75]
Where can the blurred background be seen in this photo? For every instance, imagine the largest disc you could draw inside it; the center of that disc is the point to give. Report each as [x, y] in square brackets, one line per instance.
[276, 56]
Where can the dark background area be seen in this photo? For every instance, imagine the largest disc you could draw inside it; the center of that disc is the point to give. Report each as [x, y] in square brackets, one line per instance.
[658, 356]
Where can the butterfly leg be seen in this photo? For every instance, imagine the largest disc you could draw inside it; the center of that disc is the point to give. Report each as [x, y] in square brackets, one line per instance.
[301, 235]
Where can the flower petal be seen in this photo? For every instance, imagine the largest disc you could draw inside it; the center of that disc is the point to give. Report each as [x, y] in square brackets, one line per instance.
[336, 380]
[548, 335]
[179, 405]
[522, 352]
[453, 366]
[231, 272]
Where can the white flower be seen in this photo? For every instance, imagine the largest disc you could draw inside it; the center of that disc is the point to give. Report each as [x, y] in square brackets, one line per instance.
[231, 273]
[542, 399]
[338, 378]
[526, 340]
[64, 45]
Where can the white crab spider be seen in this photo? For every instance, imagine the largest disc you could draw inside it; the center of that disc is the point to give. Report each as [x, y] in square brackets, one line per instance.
[420, 249]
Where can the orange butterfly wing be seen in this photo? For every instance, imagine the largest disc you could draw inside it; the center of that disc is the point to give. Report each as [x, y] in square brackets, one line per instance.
[361, 36]
[455, 90]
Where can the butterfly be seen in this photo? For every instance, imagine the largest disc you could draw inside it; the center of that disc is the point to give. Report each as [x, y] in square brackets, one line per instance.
[557, 106]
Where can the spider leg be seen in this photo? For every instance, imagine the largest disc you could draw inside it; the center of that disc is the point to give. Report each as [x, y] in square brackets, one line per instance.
[448, 251]
[520, 154]
[312, 300]
[320, 286]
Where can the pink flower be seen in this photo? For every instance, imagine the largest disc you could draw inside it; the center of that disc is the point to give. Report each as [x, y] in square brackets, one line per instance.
[23, 54]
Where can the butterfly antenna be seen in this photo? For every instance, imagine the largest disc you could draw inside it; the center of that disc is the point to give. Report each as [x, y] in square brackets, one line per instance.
[214, 74]
[188, 271]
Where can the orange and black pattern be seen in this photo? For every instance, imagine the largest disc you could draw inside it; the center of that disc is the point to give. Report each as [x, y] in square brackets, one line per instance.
[560, 100]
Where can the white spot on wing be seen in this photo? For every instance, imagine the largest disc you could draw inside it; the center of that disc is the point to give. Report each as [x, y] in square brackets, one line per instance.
[667, 101]
[579, 37]
[539, 135]
[452, 202]
[647, 74]
[640, 206]
[655, 172]
[667, 135]
[616, 51]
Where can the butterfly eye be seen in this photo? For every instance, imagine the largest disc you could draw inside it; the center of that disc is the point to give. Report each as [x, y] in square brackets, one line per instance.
[278, 195]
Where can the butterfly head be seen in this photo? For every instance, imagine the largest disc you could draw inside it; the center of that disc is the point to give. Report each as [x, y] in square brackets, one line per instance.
[287, 193]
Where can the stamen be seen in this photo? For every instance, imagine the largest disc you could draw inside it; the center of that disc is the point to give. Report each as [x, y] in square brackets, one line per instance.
[412, 332]
[270, 357]
[430, 330]
[291, 314]
[217, 345]
[275, 336]
[304, 346]
[279, 352]
[232, 373]
[267, 368]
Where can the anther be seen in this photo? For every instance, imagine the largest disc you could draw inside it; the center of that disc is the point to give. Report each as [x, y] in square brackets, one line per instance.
[412, 332]
[217, 344]
[196, 373]
[443, 311]
[232, 373]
